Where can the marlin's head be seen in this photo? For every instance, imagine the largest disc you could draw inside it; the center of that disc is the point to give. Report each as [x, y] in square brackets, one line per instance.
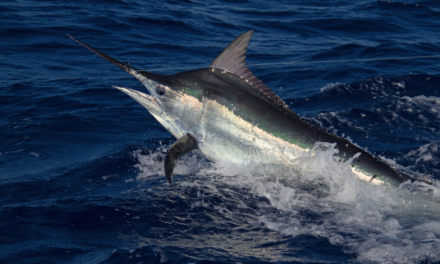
[166, 100]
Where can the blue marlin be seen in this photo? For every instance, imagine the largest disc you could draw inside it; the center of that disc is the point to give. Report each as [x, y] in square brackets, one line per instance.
[227, 113]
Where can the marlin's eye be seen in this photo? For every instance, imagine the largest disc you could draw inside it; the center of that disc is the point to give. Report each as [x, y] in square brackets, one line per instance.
[160, 90]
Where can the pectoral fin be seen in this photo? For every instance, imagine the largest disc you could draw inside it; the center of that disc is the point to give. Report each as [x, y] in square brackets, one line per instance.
[182, 146]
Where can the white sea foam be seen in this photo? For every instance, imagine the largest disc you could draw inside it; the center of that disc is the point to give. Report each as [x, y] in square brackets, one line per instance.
[375, 223]
[330, 86]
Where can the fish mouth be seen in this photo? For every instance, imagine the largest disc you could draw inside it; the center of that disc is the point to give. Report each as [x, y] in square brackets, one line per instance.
[145, 100]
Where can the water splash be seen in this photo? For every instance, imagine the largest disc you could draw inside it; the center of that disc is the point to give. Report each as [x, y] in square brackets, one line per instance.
[320, 198]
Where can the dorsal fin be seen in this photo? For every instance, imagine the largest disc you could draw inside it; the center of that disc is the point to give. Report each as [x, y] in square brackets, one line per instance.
[232, 59]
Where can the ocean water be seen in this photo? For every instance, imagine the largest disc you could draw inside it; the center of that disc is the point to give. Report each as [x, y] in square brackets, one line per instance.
[81, 164]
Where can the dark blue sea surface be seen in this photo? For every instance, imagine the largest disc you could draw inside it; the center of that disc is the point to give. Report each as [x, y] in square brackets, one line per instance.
[81, 178]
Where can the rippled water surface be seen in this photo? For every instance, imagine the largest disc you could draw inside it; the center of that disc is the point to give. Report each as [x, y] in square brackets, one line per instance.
[81, 178]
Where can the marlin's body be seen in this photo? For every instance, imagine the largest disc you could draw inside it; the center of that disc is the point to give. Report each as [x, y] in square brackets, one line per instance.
[229, 114]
